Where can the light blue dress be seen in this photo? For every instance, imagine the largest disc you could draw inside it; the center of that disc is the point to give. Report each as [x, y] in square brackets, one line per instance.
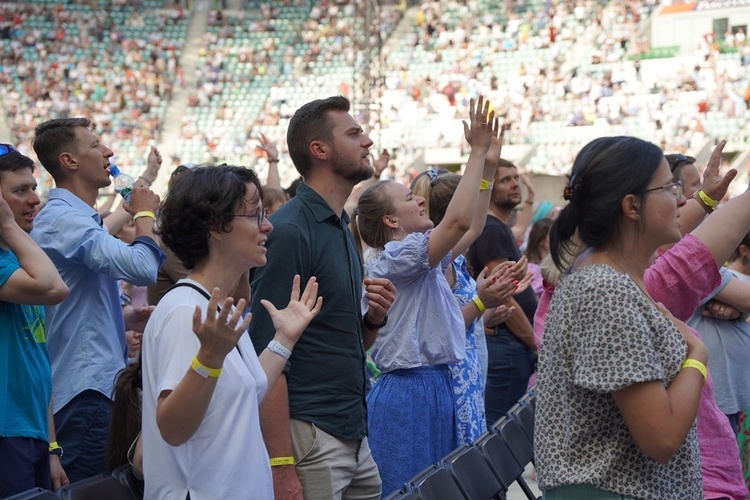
[466, 376]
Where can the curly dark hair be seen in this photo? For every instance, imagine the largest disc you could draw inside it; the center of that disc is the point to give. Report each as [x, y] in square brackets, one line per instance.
[201, 200]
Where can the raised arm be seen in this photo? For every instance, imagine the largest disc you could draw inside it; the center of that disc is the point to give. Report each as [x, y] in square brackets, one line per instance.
[117, 219]
[480, 130]
[722, 231]
[714, 185]
[485, 193]
[37, 280]
[272, 153]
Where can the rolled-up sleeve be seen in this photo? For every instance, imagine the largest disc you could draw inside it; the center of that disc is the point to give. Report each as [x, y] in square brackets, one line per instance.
[683, 277]
[137, 263]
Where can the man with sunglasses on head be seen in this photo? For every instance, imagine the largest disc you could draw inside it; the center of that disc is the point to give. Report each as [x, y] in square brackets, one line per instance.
[29, 454]
[86, 332]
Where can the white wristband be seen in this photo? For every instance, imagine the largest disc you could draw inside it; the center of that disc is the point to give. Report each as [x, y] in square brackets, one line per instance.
[276, 347]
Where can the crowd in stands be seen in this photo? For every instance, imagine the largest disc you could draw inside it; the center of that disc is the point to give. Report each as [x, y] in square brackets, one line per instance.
[561, 74]
[114, 63]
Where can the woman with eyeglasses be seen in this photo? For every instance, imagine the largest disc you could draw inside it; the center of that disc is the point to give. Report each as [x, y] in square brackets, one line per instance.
[682, 278]
[619, 378]
[202, 381]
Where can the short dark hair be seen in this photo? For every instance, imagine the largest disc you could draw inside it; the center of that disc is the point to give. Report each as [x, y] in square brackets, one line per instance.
[14, 160]
[54, 137]
[676, 160]
[201, 200]
[502, 162]
[604, 172]
[311, 123]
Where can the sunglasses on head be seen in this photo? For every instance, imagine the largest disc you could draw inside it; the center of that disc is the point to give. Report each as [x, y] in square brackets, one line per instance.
[679, 159]
[6, 148]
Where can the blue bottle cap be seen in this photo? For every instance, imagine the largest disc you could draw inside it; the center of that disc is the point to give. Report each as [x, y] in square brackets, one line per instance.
[113, 170]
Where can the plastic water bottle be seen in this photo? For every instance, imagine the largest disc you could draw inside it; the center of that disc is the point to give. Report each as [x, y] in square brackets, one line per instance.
[123, 182]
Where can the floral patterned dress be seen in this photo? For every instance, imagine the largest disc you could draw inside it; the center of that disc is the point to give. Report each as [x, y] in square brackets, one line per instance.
[466, 376]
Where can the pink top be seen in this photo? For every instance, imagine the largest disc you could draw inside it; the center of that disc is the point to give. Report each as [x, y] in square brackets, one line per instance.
[681, 279]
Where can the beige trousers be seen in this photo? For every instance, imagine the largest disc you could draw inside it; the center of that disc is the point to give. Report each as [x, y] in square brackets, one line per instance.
[332, 468]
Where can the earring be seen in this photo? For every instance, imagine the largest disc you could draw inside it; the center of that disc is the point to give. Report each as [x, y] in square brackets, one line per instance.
[393, 236]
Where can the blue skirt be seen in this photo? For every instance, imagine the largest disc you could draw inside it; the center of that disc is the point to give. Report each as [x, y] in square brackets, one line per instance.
[411, 421]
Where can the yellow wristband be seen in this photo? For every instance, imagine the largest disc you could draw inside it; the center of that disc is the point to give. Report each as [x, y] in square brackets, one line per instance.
[144, 213]
[281, 461]
[203, 370]
[694, 363]
[480, 305]
[707, 199]
[53, 445]
[484, 185]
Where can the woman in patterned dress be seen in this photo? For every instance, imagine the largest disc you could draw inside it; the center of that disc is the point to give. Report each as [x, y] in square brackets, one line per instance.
[619, 377]
[492, 290]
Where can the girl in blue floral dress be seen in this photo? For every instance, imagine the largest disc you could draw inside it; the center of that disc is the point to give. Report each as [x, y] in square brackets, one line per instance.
[466, 376]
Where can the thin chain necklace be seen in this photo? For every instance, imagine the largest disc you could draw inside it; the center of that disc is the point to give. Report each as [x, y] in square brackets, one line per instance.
[629, 276]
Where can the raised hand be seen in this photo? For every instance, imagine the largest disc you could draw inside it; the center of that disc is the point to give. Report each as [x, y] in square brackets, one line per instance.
[714, 184]
[381, 163]
[269, 147]
[291, 321]
[495, 150]
[153, 163]
[220, 331]
[482, 126]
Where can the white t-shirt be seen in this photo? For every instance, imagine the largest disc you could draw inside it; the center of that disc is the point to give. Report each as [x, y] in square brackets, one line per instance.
[226, 457]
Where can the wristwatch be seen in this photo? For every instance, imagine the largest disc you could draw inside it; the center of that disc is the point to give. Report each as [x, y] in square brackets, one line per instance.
[55, 449]
[371, 326]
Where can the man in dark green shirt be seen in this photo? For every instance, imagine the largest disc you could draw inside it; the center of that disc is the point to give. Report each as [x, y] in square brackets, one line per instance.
[317, 415]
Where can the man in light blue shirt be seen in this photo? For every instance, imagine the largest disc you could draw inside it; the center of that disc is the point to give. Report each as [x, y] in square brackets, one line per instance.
[86, 332]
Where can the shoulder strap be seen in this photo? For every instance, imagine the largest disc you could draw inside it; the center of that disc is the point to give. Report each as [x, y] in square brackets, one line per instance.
[202, 292]
[190, 285]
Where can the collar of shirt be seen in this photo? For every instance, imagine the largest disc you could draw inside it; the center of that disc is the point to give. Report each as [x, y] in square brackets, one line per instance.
[317, 205]
[75, 202]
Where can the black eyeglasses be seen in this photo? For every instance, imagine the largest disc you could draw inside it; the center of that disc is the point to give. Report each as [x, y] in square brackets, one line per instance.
[673, 187]
[7, 148]
[260, 215]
